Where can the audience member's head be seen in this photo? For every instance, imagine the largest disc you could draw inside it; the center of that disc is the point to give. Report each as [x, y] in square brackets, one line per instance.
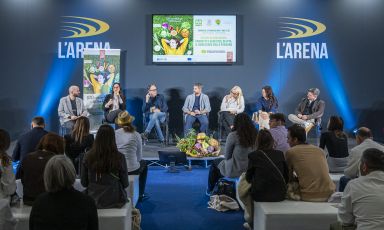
[313, 93]
[80, 129]
[296, 135]
[104, 156]
[59, 174]
[336, 125]
[38, 122]
[276, 119]
[371, 160]
[264, 140]
[362, 134]
[52, 143]
[124, 120]
[245, 130]
[5, 142]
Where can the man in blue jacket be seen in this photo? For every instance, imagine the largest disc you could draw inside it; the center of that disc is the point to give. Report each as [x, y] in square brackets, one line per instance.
[27, 142]
[155, 108]
[196, 106]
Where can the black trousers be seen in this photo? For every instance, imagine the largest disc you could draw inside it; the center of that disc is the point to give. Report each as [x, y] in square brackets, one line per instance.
[214, 174]
[142, 172]
[227, 119]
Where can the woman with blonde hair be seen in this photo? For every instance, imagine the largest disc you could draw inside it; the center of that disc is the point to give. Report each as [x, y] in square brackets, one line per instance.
[79, 141]
[232, 104]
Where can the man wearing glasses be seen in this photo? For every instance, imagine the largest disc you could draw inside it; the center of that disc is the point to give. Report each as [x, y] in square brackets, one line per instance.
[155, 108]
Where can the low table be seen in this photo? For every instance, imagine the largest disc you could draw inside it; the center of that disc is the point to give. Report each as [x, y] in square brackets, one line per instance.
[205, 159]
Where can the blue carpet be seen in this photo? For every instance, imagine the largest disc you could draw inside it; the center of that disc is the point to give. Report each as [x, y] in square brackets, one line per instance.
[178, 201]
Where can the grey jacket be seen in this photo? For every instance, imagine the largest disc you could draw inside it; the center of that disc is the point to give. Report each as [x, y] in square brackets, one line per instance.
[130, 145]
[7, 181]
[65, 109]
[236, 157]
[205, 106]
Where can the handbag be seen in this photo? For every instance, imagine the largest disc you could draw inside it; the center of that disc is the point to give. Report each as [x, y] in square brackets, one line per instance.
[286, 186]
[108, 192]
[225, 187]
[222, 203]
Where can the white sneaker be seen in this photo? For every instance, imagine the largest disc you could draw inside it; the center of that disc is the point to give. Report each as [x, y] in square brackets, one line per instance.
[246, 226]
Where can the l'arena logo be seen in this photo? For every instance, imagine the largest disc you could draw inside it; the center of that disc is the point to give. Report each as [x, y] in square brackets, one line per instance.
[75, 27]
[300, 28]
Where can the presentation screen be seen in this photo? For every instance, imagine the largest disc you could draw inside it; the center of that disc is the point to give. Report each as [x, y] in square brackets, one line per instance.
[194, 38]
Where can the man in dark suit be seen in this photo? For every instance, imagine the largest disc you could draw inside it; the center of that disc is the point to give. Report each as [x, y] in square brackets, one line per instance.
[27, 142]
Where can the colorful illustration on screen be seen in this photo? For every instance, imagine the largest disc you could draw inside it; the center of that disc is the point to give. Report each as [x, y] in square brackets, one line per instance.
[172, 35]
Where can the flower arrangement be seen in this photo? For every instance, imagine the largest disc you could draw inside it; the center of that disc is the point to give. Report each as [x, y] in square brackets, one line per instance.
[199, 145]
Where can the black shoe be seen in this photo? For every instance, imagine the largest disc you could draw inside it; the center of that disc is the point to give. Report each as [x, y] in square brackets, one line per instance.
[162, 143]
[144, 136]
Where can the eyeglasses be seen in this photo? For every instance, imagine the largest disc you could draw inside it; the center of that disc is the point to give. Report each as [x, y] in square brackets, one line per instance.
[115, 87]
[235, 93]
[152, 89]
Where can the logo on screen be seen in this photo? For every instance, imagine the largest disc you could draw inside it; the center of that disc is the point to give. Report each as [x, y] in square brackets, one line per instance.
[300, 27]
[78, 27]
[75, 27]
[304, 29]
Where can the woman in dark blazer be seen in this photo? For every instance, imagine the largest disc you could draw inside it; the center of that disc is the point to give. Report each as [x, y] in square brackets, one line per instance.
[114, 103]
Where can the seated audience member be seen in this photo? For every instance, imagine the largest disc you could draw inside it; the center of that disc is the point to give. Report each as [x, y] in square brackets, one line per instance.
[114, 103]
[196, 107]
[78, 142]
[240, 142]
[70, 108]
[129, 143]
[267, 173]
[309, 111]
[336, 142]
[363, 198]
[266, 105]
[278, 131]
[32, 167]
[62, 207]
[310, 166]
[7, 221]
[7, 178]
[232, 104]
[104, 172]
[28, 142]
[364, 141]
[155, 108]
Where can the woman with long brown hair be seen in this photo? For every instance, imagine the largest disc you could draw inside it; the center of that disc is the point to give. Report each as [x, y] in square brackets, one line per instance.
[266, 105]
[336, 142]
[240, 142]
[104, 170]
[114, 103]
[79, 141]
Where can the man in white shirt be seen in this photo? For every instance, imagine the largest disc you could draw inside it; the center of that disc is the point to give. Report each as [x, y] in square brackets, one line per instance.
[363, 199]
[364, 141]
